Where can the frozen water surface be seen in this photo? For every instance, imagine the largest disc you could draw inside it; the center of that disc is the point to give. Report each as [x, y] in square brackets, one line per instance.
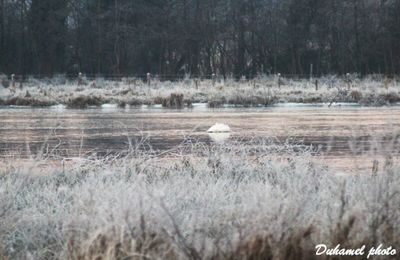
[345, 134]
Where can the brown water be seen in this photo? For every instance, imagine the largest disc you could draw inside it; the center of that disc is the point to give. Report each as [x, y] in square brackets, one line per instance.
[348, 136]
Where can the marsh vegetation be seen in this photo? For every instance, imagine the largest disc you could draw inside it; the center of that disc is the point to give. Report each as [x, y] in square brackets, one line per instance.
[260, 91]
[243, 198]
[224, 201]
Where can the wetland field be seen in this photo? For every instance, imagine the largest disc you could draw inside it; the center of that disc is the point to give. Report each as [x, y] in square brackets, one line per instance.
[126, 170]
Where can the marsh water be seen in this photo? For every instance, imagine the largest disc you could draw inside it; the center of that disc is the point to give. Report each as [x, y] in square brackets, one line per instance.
[346, 136]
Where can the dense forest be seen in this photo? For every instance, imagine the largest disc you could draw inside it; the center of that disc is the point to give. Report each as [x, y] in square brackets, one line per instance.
[199, 37]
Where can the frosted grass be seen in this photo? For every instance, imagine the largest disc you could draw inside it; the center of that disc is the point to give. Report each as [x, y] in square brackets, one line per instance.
[227, 201]
[264, 90]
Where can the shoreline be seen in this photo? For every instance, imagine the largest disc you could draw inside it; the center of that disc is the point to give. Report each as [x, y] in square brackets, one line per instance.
[262, 92]
[194, 106]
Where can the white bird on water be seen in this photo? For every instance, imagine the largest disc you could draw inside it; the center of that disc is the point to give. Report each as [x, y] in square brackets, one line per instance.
[219, 128]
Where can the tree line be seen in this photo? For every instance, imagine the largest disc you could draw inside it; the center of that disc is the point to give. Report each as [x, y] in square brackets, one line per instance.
[199, 37]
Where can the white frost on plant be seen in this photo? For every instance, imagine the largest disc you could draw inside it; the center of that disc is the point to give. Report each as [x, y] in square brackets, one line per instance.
[210, 200]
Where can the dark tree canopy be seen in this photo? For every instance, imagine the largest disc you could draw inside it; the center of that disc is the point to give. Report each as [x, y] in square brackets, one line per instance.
[199, 37]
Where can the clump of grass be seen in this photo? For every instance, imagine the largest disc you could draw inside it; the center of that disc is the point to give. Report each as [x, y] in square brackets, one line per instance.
[84, 101]
[380, 99]
[251, 101]
[175, 100]
[124, 92]
[356, 95]
[308, 100]
[28, 101]
[253, 200]
[117, 244]
[158, 100]
[391, 97]
[294, 245]
[130, 101]
[215, 103]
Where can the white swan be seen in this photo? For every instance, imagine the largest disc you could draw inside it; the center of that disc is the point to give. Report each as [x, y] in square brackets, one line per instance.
[219, 137]
[219, 128]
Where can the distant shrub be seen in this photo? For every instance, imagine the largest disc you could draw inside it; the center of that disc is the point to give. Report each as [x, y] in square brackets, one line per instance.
[131, 102]
[356, 95]
[28, 101]
[175, 100]
[391, 97]
[124, 92]
[158, 100]
[84, 102]
[215, 103]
